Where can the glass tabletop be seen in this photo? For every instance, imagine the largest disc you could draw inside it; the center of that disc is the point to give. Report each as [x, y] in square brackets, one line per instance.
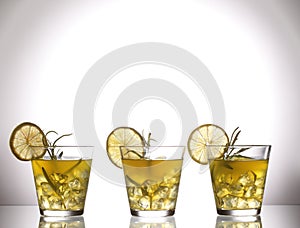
[272, 216]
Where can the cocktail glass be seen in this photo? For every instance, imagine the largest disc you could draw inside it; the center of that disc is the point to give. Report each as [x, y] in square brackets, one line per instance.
[238, 179]
[62, 183]
[152, 180]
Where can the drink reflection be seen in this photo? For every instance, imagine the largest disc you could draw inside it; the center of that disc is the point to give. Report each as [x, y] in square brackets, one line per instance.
[158, 222]
[237, 222]
[62, 222]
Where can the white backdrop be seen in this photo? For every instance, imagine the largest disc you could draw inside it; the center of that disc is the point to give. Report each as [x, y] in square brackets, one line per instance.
[251, 49]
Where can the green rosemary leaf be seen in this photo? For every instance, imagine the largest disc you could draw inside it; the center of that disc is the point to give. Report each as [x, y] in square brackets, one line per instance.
[45, 141]
[60, 138]
[149, 138]
[134, 152]
[60, 155]
[239, 156]
[51, 132]
[227, 166]
[242, 149]
[232, 136]
[235, 138]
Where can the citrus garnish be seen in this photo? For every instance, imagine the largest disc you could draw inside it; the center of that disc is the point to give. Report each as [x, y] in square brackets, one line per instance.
[27, 142]
[207, 134]
[124, 136]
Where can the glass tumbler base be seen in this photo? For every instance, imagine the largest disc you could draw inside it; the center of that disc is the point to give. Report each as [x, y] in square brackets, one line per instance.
[152, 213]
[54, 213]
[245, 212]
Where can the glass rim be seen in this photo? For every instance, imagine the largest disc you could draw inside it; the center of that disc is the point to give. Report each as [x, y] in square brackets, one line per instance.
[240, 145]
[180, 146]
[64, 146]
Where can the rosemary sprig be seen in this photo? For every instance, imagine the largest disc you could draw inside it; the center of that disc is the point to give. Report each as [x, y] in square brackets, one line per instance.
[137, 154]
[147, 144]
[52, 146]
[55, 155]
[229, 154]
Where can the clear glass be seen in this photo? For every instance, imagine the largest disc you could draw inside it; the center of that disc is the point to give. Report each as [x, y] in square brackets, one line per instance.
[238, 221]
[239, 178]
[62, 183]
[152, 179]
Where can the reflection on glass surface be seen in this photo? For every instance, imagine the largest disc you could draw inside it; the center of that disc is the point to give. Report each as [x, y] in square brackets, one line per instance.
[238, 222]
[159, 222]
[61, 222]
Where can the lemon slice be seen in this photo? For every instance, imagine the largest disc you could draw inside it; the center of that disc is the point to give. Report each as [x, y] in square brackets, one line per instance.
[27, 142]
[124, 136]
[207, 134]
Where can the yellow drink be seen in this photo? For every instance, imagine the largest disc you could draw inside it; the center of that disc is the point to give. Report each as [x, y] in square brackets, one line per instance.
[61, 185]
[238, 184]
[152, 185]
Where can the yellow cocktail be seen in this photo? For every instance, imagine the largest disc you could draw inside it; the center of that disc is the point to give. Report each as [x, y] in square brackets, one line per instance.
[239, 181]
[61, 185]
[152, 182]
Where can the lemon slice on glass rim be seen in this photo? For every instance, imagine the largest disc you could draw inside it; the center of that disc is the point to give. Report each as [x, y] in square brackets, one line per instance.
[27, 142]
[201, 137]
[124, 136]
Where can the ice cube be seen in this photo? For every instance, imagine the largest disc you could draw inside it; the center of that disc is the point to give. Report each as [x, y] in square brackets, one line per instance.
[169, 180]
[236, 190]
[75, 184]
[253, 203]
[162, 192]
[70, 202]
[134, 191]
[247, 178]
[83, 175]
[242, 203]
[173, 191]
[144, 202]
[44, 203]
[169, 204]
[259, 193]
[250, 191]
[226, 179]
[55, 203]
[67, 193]
[222, 192]
[243, 180]
[229, 202]
[150, 186]
[157, 203]
[260, 182]
[47, 189]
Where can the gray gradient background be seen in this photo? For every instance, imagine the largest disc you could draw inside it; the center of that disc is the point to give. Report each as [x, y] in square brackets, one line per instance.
[31, 32]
